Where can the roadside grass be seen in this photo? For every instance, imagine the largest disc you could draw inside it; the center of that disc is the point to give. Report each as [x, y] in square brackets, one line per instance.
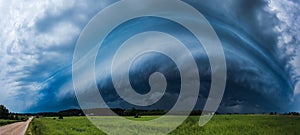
[66, 126]
[6, 122]
[220, 124]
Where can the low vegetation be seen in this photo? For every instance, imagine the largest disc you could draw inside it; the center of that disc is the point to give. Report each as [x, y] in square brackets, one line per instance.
[243, 124]
[5, 122]
[65, 126]
[220, 124]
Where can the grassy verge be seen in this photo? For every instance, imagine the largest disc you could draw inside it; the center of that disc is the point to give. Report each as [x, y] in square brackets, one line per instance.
[66, 126]
[28, 130]
[220, 124]
[5, 122]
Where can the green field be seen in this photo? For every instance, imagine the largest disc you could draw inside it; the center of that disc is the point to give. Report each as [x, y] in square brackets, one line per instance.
[220, 124]
[5, 122]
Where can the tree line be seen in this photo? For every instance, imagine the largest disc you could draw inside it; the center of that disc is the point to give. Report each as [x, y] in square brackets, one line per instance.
[5, 114]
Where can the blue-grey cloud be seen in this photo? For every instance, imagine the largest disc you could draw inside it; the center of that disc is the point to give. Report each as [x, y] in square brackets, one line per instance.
[260, 45]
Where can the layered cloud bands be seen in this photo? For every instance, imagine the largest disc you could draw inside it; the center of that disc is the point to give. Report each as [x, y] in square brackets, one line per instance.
[259, 38]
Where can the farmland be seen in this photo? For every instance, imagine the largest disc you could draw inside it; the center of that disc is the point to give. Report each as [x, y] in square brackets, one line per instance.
[220, 124]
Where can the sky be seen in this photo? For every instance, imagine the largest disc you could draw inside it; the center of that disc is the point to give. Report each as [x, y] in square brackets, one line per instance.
[260, 40]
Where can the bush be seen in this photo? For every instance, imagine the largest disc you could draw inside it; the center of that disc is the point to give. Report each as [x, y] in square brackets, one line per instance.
[137, 116]
[16, 117]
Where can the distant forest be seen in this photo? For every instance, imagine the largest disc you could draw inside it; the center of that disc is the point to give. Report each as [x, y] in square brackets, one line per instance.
[135, 112]
[5, 114]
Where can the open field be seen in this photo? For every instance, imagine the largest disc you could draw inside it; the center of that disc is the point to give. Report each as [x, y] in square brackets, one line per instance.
[220, 124]
[5, 122]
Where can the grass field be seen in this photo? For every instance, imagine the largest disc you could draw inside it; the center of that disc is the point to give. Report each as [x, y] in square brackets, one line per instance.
[5, 122]
[220, 124]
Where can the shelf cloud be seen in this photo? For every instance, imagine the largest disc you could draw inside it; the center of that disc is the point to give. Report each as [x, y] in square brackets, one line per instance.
[260, 40]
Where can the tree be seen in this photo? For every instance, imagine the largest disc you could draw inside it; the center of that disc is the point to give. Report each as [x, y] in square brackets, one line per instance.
[3, 112]
[60, 117]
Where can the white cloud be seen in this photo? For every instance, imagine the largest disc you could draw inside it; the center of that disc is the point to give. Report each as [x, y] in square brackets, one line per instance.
[288, 42]
[24, 49]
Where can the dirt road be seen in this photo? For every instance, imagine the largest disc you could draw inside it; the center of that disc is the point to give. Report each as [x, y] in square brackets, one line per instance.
[18, 128]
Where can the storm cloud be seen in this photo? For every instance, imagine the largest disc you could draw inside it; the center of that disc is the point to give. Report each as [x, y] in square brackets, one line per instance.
[260, 40]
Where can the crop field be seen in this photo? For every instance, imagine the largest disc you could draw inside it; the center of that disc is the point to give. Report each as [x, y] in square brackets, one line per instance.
[5, 122]
[220, 124]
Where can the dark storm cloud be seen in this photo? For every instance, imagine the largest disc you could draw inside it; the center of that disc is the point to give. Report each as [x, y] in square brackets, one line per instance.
[259, 75]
